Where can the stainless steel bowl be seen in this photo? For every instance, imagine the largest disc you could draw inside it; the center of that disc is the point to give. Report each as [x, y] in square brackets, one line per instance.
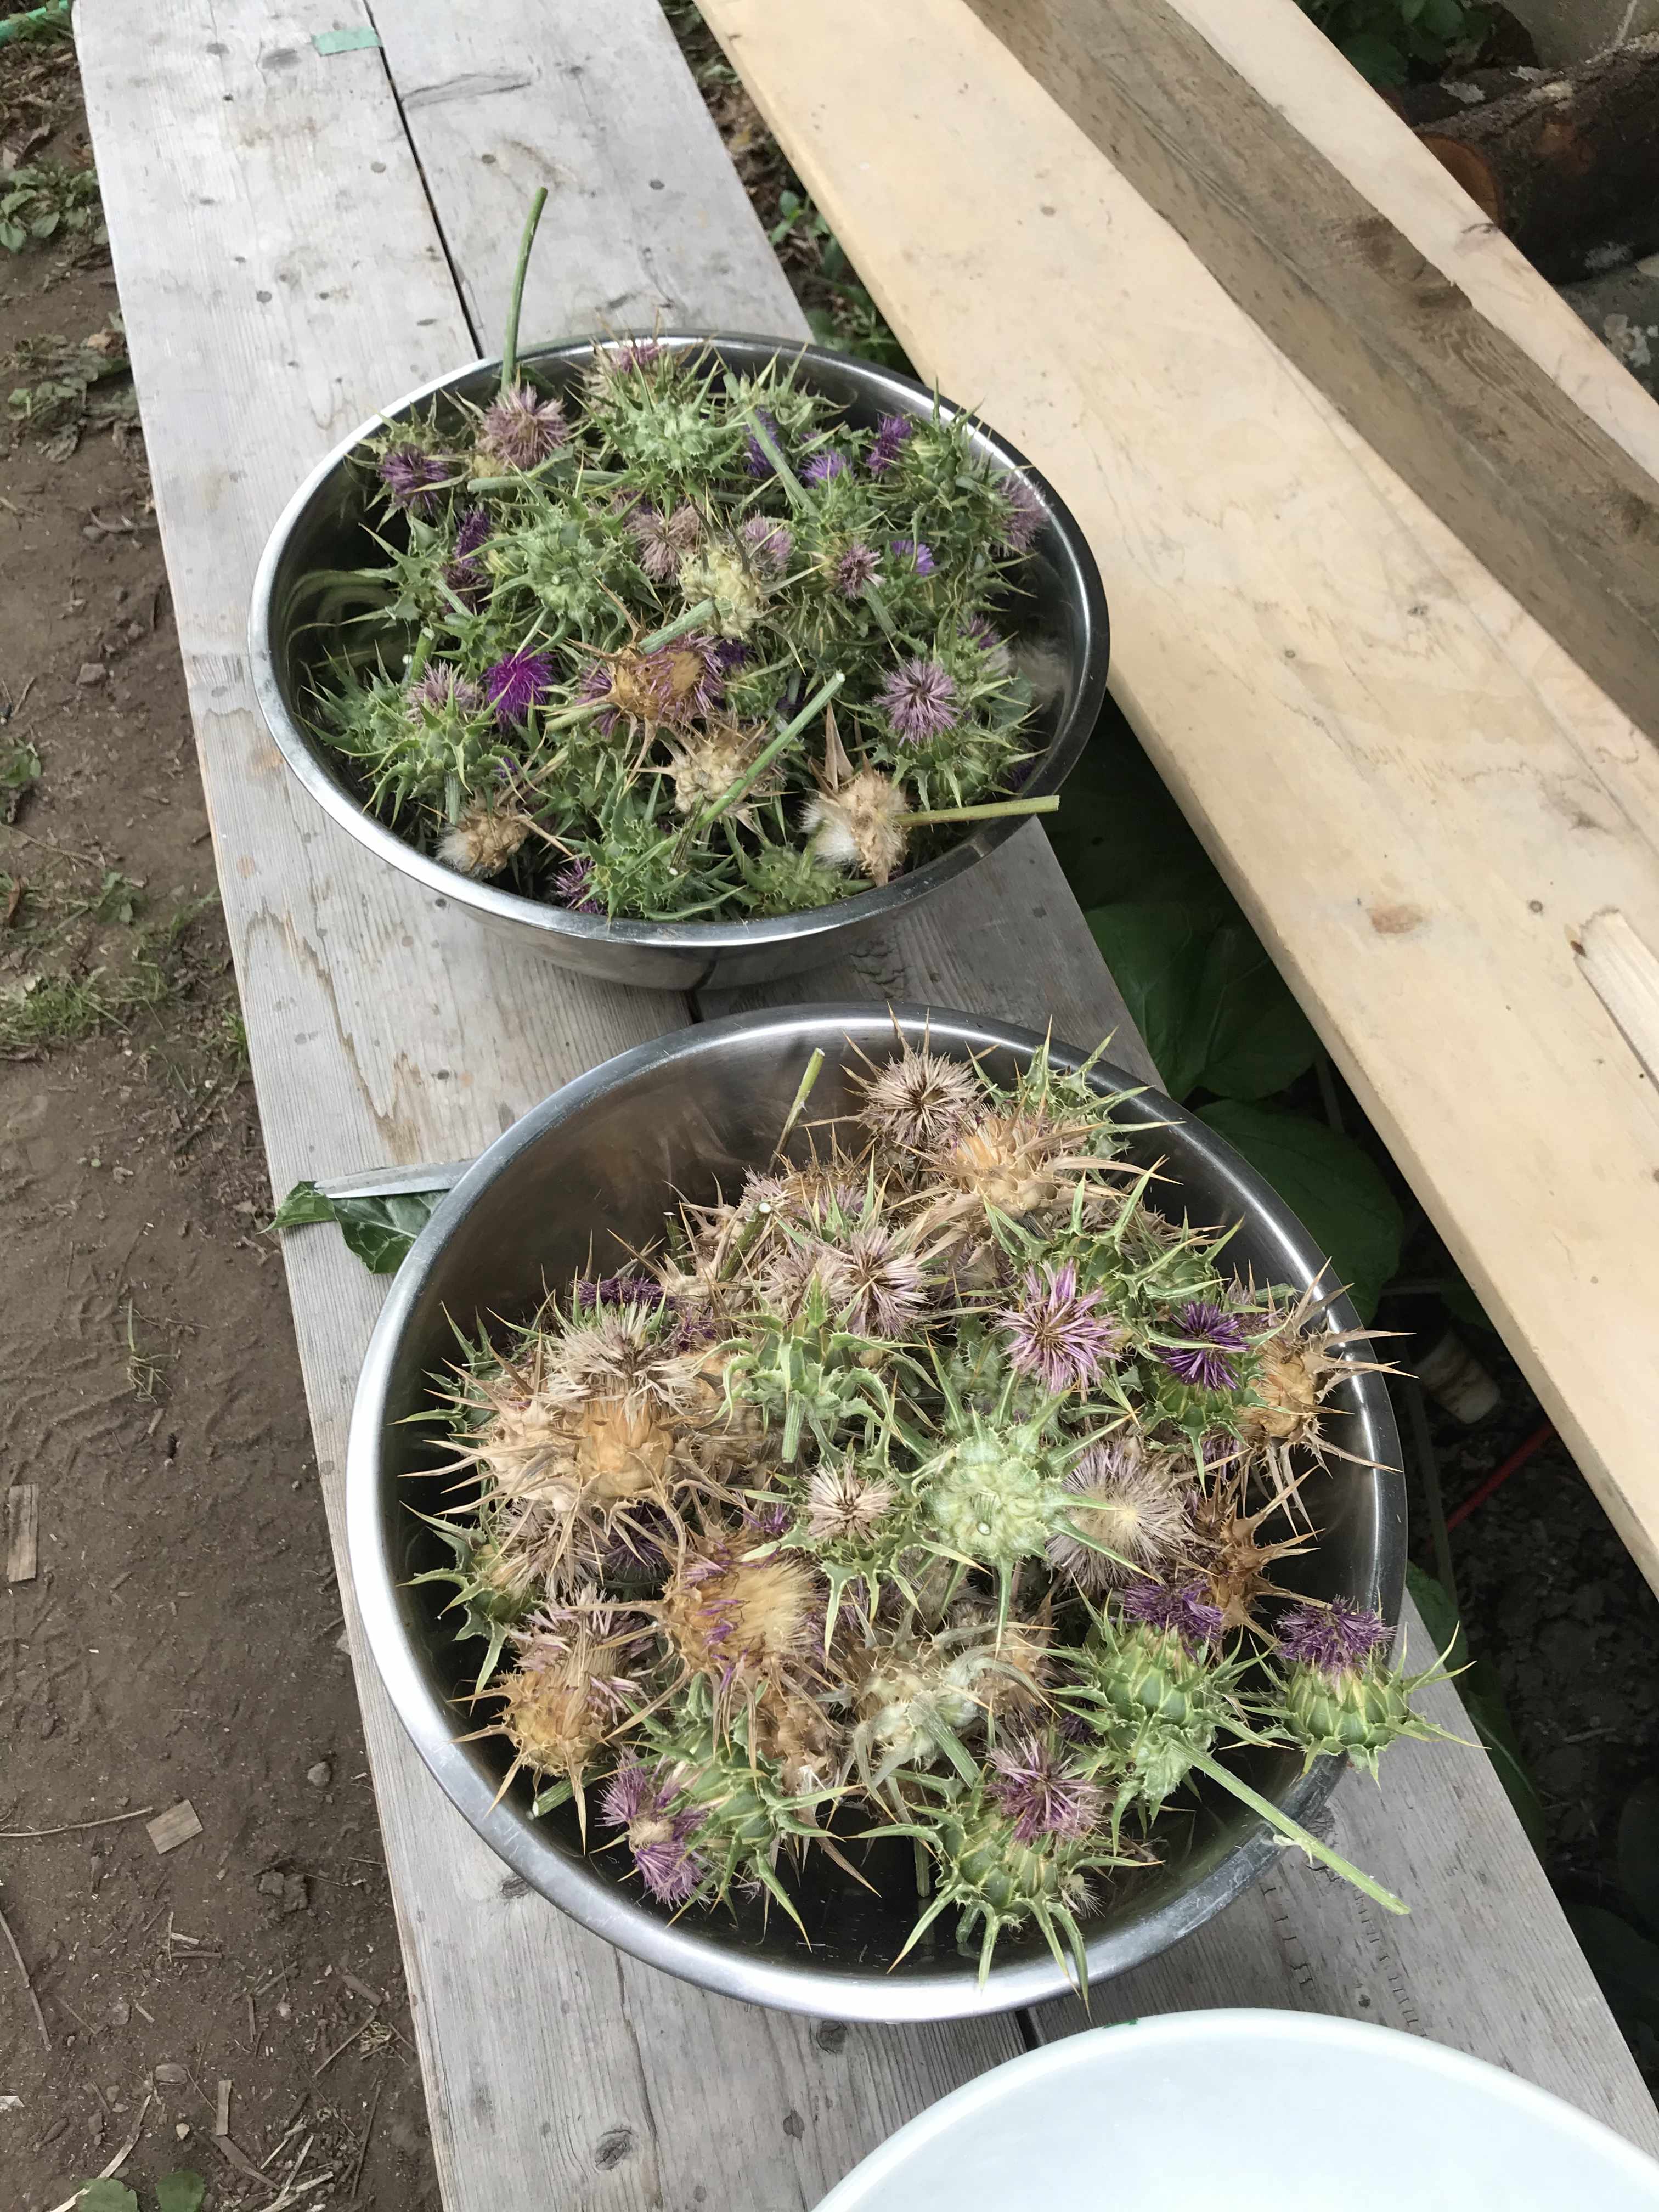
[325, 525]
[602, 1160]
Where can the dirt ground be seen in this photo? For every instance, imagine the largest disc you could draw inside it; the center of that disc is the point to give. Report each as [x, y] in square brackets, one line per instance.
[178, 1641]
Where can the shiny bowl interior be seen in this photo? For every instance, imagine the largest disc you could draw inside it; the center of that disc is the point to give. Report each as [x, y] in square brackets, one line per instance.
[1061, 610]
[586, 1176]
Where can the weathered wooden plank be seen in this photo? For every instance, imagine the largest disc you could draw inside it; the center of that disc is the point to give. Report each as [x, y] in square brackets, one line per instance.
[1399, 803]
[22, 1532]
[1484, 1960]
[1491, 438]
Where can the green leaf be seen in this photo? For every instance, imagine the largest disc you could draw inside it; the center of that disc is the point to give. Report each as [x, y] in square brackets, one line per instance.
[1440, 1615]
[107, 2197]
[1441, 19]
[1156, 953]
[179, 2192]
[304, 1205]
[381, 1230]
[1638, 1852]
[1334, 1189]
[20, 767]
[1121, 837]
[1375, 57]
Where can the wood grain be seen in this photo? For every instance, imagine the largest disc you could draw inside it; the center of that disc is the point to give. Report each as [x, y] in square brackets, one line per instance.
[1484, 1960]
[1383, 758]
[22, 1532]
[1493, 439]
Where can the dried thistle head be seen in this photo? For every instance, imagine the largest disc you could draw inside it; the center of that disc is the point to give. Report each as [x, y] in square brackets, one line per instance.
[743, 1623]
[846, 1502]
[1131, 1504]
[876, 1284]
[1301, 1363]
[1232, 1551]
[807, 1745]
[706, 763]
[919, 1100]
[484, 839]
[576, 1683]
[858, 826]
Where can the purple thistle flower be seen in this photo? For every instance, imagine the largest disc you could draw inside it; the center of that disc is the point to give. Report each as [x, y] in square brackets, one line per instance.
[1023, 516]
[620, 1289]
[771, 1519]
[890, 434]
[920, 700]
[516, 683]
[858, 566]
[595, 683]
[728, 654]
[573, 887]
[1186, 1610]
[636, 354]
[1206, 1365]
[876, 1286]
[1056, 1334]
[410, 476]
[756, 462]
[980, 632]
[823, 466]
[921, 555]
[769, 543]
[663, 540]
[1333, 1639]
[464, 574]
[521, 429]
[442, 688]
[1035, 1790]
[641, 1799]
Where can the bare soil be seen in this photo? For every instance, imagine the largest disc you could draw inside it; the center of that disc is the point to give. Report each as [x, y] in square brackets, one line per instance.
[178, 1641]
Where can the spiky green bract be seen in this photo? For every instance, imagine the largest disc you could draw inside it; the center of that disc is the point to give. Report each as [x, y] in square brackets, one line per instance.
[1152, 1704]
[807, 1376]
[993, 1882]
[746, 1819]
[1355, 1714]
[670, 483]
[494, 1588]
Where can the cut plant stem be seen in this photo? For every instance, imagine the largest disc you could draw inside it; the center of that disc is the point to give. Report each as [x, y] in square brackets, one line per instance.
[1298, 1834]
[510, 341]
[763, 760]
[814, 1067]
[793, 490]
[986, 813]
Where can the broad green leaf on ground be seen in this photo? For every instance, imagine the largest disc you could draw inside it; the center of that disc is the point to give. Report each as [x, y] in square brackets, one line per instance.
[1638, 1852]
[1212, 1008]
[1330, 1183]
[1121, 838]
[1483, 1701]
[1376, 59]
[378, 1232]
[107, 2197]
[181, 2192]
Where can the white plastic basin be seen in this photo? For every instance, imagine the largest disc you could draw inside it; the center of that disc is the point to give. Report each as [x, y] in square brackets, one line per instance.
[1250, 2111]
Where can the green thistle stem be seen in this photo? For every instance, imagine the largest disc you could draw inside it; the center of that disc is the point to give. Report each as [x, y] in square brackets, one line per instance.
[763, 760]
[988, 814]
[814, 1068]
[510, 343]
[1310, 1843]
[877, 607]
[793, 490]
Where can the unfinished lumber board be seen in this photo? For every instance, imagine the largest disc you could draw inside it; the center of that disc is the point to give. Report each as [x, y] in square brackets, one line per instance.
[22, 1532]
[1487, 433]
[1406, 817]
[1484, 1959]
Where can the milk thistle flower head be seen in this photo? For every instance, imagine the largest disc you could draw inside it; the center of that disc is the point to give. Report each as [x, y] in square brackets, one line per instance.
[823, 467]
[919, 1099]
[980, 632]
[516, 683]
[921, 556]
[755, 459]
[1205, 1363]
[1126, 1503]
[464, 574]
[411, 477]
[663, 541]
[845, 1502]
[876, 1287]
[768, 543]
[442, 688]
[1334, 1639]
[920, 700]
[1032, 1786]
[1061, 1336]
[574, 888]
[890, 434]
[640, 1799]
[858, 566]
[521, 429]
[1182, 1607]
[1023, 518]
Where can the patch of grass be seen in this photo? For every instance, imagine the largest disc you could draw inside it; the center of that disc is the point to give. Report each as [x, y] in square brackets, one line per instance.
[71, 386]
[145, 1375]
[20, 771]
[51, 1010]
[44, 200]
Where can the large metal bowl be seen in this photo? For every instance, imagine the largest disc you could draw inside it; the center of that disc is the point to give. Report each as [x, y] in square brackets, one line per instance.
[325, 525]
[601, 1161]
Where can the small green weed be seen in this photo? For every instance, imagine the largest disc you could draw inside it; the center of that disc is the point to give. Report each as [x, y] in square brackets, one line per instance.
[48, 1011]
[45, 200]
[851, 321]
[20, 771]
[71, 386]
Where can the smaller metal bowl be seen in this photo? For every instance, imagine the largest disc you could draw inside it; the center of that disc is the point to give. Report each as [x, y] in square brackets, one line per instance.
[325, 526]
[591, 1172]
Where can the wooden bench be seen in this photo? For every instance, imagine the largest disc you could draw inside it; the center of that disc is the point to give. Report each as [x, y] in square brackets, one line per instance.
[300, 233]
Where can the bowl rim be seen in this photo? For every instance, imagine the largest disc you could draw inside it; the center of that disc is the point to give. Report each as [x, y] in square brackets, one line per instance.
[307, 758]
[603, 1907]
